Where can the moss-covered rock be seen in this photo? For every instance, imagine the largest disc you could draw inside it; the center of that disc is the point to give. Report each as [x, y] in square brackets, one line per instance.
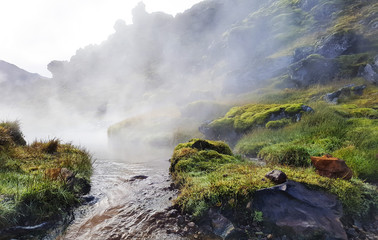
[209, 179]
[240, 120]
[197, 153]
[277, 124]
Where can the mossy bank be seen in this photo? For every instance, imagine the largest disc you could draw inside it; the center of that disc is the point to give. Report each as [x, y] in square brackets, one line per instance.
[40, 182]
[210, 176]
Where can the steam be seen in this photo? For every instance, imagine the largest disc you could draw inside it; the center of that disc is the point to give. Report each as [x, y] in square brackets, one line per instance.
[151, 80]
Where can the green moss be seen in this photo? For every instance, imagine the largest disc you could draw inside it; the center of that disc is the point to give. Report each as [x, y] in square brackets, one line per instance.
[350, 64]
[364, 164]
[277, 124]
[244, 118]
[207, 179]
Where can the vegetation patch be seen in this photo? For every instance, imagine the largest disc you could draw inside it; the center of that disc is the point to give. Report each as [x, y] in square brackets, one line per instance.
[208, 178]
[240, 120]
[41, 181]
[347, 130]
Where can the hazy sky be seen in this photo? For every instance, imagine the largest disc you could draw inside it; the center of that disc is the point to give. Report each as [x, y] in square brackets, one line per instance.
[34, 32]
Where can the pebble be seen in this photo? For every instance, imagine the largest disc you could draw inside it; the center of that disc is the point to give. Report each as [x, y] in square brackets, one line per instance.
[191, 224]
[270, 236]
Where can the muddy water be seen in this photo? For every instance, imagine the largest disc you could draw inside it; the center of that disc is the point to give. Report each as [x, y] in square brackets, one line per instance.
[123, 206]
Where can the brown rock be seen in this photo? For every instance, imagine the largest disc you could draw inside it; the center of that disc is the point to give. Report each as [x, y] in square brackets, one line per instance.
[331, 167]
[52, 173]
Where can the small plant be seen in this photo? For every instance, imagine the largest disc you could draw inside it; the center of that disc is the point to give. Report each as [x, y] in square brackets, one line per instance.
[258, 216]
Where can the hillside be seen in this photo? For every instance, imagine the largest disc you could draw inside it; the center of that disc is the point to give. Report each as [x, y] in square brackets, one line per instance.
[218, 54]
[20, 87]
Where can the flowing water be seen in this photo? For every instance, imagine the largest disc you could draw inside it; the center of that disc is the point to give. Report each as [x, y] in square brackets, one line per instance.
[130, 201]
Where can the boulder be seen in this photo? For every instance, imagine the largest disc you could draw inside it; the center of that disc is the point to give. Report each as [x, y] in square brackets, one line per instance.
[276, 176]
[293, 210]
[331, 167]
[343, 92]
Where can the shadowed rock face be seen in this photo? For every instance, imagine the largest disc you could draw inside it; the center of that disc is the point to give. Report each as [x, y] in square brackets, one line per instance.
[292, 209]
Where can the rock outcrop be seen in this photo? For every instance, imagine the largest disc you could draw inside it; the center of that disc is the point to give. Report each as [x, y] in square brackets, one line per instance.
[345, 91]
[370, 71]
[331, 167]
[294, 210]
[337, 44]
[314, 69]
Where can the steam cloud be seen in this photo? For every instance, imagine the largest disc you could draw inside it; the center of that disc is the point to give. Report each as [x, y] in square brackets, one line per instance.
[158, 75]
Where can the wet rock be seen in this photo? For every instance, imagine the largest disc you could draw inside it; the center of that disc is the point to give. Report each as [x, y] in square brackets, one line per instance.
[345, 91]
[81, 186]
[276, 176]
[138, 177]
[292, 209]
[172, 213]
[314, 69]
[224, 228]
[331, 167]
[180, 220]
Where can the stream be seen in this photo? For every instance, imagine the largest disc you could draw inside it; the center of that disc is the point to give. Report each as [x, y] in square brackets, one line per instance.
[128, 201]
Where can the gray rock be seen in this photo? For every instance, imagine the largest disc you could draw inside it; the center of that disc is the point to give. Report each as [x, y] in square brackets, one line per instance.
[138, 177]
[191, 225]
[370, 71]
[343, 92]
[180, 220]
[224, 228]
[277, 176]
[294, 210]
[302, 52]
[337, 44]
[314, 69]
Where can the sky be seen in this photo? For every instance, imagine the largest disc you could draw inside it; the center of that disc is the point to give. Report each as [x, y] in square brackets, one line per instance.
[35, 32]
